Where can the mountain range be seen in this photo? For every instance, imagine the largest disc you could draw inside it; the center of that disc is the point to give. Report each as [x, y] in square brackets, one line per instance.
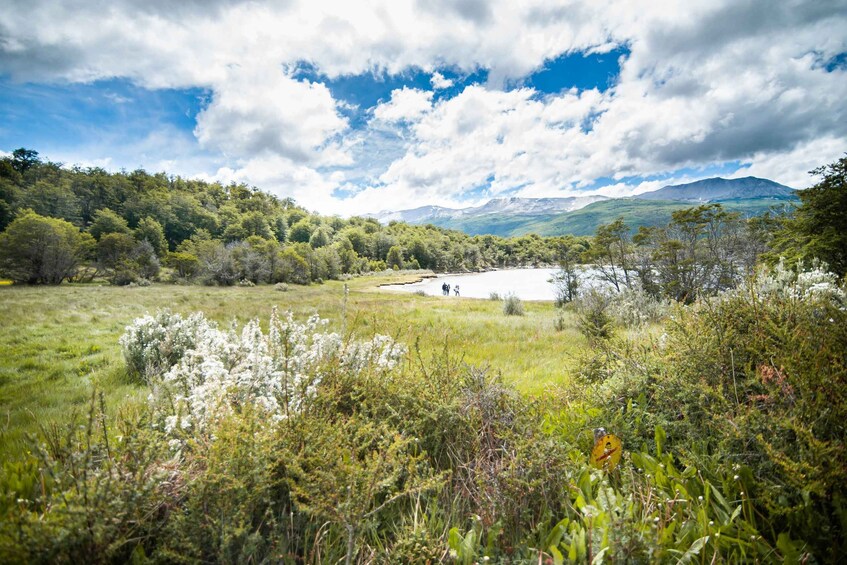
[580, 215]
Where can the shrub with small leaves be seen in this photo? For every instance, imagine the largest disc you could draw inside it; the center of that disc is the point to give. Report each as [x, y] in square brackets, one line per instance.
[200, 373]
[594, 321]
[632, 307]
[512, 306]
[153, 344]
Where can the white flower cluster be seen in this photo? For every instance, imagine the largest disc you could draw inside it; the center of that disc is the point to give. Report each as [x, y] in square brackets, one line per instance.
[632, 307]
[813, 284]
[222, 371]
[153, 344]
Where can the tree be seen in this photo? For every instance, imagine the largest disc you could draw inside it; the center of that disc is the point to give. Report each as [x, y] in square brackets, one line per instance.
[151, 231]
[566, 279]
[185, 264]
[24, 159]
[394, 259]
[126, 260]
[292, 268]
[217, 264]
[301, 231]
[106, 221]
[612, 254]
[39, 250]
[319, 238]
[54, 199]
[252, 264]
[818, 229]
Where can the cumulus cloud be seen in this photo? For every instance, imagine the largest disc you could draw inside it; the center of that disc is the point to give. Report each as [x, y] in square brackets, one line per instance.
[439, 81]
[406, 104]
[704, 82]
[258, 111]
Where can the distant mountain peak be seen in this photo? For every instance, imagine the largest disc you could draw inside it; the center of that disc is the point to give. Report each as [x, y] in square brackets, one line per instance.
[510, 205]
[717, 189]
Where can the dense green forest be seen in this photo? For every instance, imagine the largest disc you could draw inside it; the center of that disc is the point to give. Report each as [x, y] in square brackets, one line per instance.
[126, 226]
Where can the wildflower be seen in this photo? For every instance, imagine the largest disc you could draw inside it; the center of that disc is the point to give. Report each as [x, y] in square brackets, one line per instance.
[199, 373]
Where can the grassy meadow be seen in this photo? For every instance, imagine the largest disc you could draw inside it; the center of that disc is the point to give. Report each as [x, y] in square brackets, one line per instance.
[60, 343]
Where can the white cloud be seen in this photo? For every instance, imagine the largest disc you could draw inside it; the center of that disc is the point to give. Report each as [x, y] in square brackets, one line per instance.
[439, 81]
[706, 82]
[265, 111]
[406, 104]
[792, 167]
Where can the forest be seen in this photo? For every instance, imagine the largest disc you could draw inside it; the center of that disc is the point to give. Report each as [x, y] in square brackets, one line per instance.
[213, 404]
[124, 227]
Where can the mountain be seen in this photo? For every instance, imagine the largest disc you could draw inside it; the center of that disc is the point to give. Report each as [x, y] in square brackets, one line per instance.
[512, 206]
[720, 189]
[581, 215]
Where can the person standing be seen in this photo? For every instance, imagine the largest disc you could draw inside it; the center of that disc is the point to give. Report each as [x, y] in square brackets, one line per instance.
[456, 290]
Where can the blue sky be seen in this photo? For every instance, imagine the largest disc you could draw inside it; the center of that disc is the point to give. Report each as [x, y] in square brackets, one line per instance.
[405, 104]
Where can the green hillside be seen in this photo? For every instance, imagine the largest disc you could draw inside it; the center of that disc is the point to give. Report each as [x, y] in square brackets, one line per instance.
[636, 212]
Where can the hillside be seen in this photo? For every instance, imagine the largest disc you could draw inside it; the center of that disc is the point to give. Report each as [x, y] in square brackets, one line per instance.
[636, 212]
[503, 217]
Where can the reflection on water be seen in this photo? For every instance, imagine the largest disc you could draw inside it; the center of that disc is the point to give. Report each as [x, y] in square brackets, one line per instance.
[526, 284]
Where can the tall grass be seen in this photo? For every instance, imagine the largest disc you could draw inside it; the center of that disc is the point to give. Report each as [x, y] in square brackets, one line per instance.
[58, 344]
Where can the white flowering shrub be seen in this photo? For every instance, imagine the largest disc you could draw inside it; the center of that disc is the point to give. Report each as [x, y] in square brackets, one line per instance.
[807, 284]
[221, 371]
[632, 307]
[153, 344]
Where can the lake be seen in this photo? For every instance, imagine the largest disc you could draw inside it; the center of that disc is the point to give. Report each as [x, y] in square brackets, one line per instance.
[526, 284]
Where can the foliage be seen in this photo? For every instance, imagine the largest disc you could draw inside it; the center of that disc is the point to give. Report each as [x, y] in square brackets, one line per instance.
[106, 221]
[751, 384]
[126, 260]
[440, 457]
[151, 345]
[199, 373]
[39, 250]
[818, 228]
[633, 308]
[150, 230]
[200, 219]
[512, 305]
[702, 251]
[594, 321]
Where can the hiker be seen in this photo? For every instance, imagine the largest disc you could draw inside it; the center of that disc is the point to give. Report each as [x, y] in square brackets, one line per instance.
[445, 290]
[448, 290]
[456, 290]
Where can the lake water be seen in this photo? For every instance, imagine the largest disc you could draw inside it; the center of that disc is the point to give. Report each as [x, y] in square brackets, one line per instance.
[526, 284]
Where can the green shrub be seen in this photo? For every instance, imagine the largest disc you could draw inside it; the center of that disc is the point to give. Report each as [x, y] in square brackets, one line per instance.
[39, 250]
[752, 379]
[593, 319]
[512, 306]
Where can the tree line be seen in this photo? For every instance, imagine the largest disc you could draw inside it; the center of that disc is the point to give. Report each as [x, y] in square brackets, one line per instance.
[81, 224]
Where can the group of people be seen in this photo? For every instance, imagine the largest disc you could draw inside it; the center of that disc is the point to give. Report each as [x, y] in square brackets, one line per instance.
[445, 289]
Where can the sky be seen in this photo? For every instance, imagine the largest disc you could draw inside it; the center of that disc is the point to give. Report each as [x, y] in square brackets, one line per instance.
[366, 106]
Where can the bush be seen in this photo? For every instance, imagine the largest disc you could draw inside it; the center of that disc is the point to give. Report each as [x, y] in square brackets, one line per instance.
[199, 372]
[39, 250]
[512, 306]
[632, 307]
[494, 297]
[281, 287]
[593, 319]
[750, 385]
[151, 345]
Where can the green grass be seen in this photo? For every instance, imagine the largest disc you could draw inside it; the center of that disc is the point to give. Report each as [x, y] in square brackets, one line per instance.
[59, 344]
